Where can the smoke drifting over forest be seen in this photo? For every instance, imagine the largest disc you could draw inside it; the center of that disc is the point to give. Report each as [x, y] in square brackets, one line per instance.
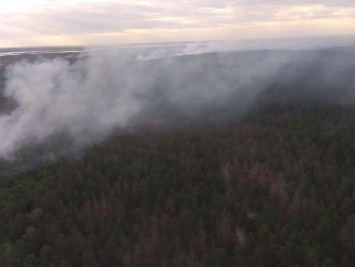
[107, 90]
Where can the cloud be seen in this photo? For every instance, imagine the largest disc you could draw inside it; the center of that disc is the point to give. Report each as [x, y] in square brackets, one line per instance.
[88, 20]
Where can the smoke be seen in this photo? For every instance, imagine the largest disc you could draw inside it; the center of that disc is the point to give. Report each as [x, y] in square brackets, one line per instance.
[85, 101]
[107, 90]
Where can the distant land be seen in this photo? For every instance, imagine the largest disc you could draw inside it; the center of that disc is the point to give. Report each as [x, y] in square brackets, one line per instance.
[164, 49]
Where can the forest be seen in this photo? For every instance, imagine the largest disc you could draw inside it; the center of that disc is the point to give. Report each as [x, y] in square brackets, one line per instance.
[273, 185]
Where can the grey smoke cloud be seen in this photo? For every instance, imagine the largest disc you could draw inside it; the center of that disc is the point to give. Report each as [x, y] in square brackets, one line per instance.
[52, 96]
[109, 89]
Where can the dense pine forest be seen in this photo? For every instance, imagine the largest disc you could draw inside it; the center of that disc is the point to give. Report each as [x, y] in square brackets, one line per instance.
[271, 186]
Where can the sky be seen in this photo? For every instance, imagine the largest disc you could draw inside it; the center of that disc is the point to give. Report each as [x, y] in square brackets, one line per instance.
[93, 22]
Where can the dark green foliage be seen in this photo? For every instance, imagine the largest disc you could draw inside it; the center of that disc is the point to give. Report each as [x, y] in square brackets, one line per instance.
[277, 189]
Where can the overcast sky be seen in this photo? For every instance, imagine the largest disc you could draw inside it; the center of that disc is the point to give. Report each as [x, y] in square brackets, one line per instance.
[88, 22]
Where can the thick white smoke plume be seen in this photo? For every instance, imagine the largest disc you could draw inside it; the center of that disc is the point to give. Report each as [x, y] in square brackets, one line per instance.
[83, 100]
[103, 91]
